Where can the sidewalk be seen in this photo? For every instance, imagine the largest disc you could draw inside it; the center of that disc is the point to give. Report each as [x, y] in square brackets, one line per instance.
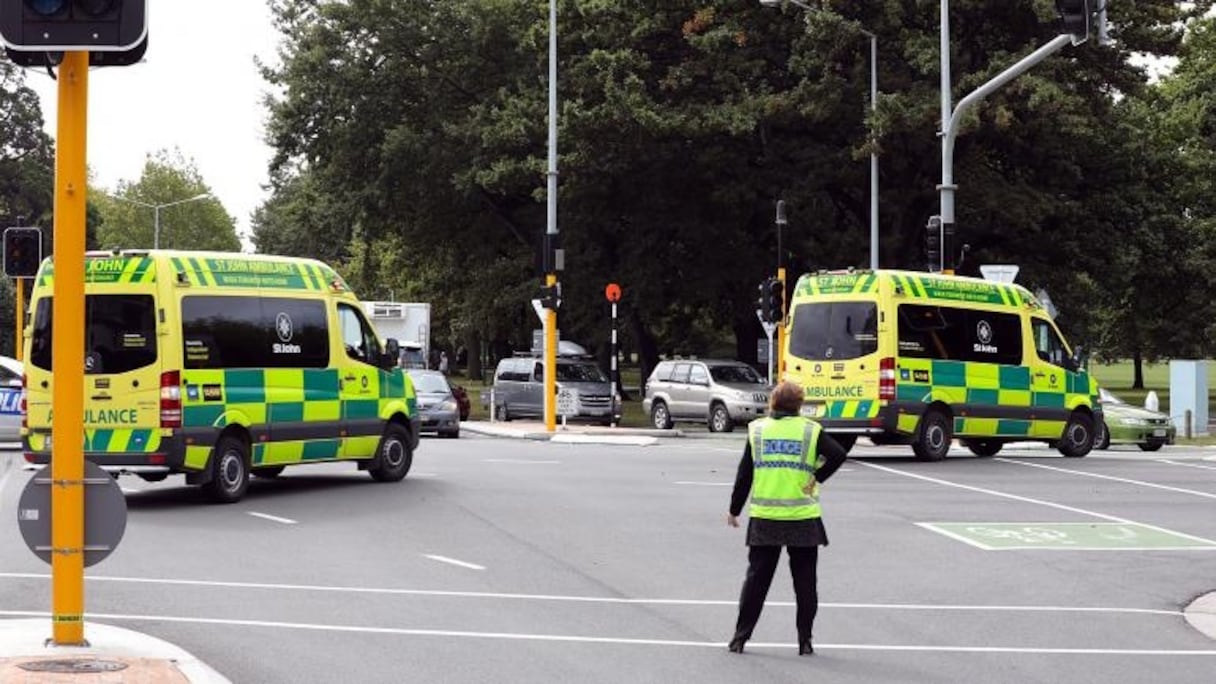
[581, 433]
[114, 656]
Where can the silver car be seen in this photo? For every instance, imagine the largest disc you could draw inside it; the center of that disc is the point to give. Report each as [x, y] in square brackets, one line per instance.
[519, 389]
[720, 394]
[437, 406]
[11, 371]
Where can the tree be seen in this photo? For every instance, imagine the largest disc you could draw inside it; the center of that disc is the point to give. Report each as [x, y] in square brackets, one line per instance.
[27, 155]
[167, 178]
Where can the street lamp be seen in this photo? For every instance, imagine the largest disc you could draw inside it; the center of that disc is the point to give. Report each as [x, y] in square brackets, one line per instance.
[156, 210]
[873, 109]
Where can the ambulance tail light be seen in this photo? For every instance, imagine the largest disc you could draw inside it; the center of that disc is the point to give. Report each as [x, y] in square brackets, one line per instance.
[886, 379]
[171, 399]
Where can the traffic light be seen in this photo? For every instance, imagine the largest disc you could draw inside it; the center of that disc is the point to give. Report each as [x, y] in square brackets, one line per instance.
[763, 306]
[1075, 16]
[776, 303]
[22, 252]
[43, 26]
[551, 296]
[933, 243]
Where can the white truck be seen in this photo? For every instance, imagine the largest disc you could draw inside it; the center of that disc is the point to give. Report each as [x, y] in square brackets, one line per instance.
[409, 323]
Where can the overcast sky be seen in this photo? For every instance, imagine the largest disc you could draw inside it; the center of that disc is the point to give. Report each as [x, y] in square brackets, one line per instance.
[197, 90]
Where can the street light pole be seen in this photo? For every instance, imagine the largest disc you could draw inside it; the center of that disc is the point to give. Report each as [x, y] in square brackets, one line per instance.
[873, 109]
[156, 210]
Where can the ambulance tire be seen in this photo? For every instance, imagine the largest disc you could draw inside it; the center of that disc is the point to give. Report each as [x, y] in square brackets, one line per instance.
[933, 436]
[984, 447]
[393, 455]
[846, 442]
[268, 472]
[1079, 435]
[229, 470]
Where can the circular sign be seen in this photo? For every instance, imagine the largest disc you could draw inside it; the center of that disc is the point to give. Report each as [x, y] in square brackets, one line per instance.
[613, 292]
[105, 514]
[983, 330]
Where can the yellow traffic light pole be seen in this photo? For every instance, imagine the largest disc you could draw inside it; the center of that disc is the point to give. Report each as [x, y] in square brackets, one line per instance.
[67, 347]
[780, 339]
[20, 327]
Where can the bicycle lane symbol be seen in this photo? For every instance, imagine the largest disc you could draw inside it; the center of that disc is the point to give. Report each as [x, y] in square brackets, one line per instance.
[1025, 535]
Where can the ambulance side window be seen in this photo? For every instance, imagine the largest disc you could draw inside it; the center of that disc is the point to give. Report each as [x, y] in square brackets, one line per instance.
[1048, 345]
[357, 336]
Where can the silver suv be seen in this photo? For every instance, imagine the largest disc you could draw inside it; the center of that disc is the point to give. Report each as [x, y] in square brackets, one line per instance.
[519, 388]
[718, 393]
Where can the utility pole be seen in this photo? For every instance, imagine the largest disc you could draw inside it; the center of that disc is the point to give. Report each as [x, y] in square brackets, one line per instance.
[552, 255]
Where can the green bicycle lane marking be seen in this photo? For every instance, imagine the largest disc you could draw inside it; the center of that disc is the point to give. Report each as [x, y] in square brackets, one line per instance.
[1072, 536]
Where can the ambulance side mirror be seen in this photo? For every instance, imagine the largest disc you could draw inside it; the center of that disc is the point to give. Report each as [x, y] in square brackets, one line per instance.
[1080, 358]
[392, 353]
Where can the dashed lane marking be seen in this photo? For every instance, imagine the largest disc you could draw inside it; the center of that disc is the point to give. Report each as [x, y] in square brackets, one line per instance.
[273, 518]
[453, 561]
[519, 461]
[1186, 465]
[705, 484]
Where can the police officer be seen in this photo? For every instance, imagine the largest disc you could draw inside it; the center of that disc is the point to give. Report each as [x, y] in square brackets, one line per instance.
[786, 458]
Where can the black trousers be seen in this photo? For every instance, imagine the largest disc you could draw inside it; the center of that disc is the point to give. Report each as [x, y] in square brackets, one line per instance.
[762, 563]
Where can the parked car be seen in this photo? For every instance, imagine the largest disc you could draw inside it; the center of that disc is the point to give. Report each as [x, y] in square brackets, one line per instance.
[1123, 423]
[437, 406]
[11, 371]
[718, 393]
[518, 389]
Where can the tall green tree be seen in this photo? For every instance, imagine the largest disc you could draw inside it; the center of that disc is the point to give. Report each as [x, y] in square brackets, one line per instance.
[128, 215]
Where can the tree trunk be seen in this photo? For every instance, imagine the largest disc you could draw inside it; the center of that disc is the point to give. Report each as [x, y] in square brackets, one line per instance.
[1137, 369]
[472, 347]
[648, 351]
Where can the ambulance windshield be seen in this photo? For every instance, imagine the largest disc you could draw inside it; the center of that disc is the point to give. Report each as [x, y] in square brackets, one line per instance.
[834, 331]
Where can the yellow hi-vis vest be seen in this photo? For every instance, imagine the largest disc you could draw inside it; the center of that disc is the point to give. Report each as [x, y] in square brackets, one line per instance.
[784, 454]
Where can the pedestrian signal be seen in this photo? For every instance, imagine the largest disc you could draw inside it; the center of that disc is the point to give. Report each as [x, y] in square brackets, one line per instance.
[22, 252]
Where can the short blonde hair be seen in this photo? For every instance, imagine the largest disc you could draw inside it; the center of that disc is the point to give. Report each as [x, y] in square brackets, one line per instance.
[786, 398]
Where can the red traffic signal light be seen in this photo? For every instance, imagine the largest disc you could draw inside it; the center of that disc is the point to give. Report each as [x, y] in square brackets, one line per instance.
[22, 252]
[69, 25]
[776, 299]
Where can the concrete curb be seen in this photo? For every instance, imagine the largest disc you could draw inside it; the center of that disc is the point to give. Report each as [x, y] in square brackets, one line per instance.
[588, 434]
[626, 440]
[24, 640]
[1202, 614]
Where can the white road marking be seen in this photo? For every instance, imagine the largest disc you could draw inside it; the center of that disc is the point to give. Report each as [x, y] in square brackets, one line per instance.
[274, 518]
[128, 490]
[705, 484]
[593, 599]
[1026, 499]
[985, 547]
[424, 474]
[1186, 465]
[1142, 483]
[453, 561]
[514, 636]
[519, 461]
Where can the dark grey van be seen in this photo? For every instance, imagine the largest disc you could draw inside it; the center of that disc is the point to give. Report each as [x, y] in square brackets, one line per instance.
[519, 388]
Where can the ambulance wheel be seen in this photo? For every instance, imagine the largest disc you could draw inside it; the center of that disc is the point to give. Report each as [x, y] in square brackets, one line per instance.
[1102, 441]
[846, 442]
[1078, 436]
[268, 472]
[984, 447]
[933, 436]
[393, 456]
[719, 419]
[660, 417]
[229, 470]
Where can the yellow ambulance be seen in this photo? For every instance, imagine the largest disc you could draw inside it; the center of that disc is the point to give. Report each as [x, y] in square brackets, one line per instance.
[922, 359]
[221, 366]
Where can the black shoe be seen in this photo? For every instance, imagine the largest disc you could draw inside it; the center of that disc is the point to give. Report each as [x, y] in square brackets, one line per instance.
[736, 645]
[805, 648]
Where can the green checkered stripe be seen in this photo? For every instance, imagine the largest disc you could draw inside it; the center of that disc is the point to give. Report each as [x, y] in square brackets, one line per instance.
[969, 386]
[832, 284]
[107, 271]
[287, 401]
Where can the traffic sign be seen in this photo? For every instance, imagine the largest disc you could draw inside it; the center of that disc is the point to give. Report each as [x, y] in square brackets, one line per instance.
[105, 517]
[613, 292]
[567, 402]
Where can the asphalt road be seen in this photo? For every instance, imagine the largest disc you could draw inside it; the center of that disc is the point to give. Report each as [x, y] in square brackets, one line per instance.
[518, 561]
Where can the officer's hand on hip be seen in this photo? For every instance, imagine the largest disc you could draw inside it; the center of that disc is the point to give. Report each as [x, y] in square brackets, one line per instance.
[732, 520]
